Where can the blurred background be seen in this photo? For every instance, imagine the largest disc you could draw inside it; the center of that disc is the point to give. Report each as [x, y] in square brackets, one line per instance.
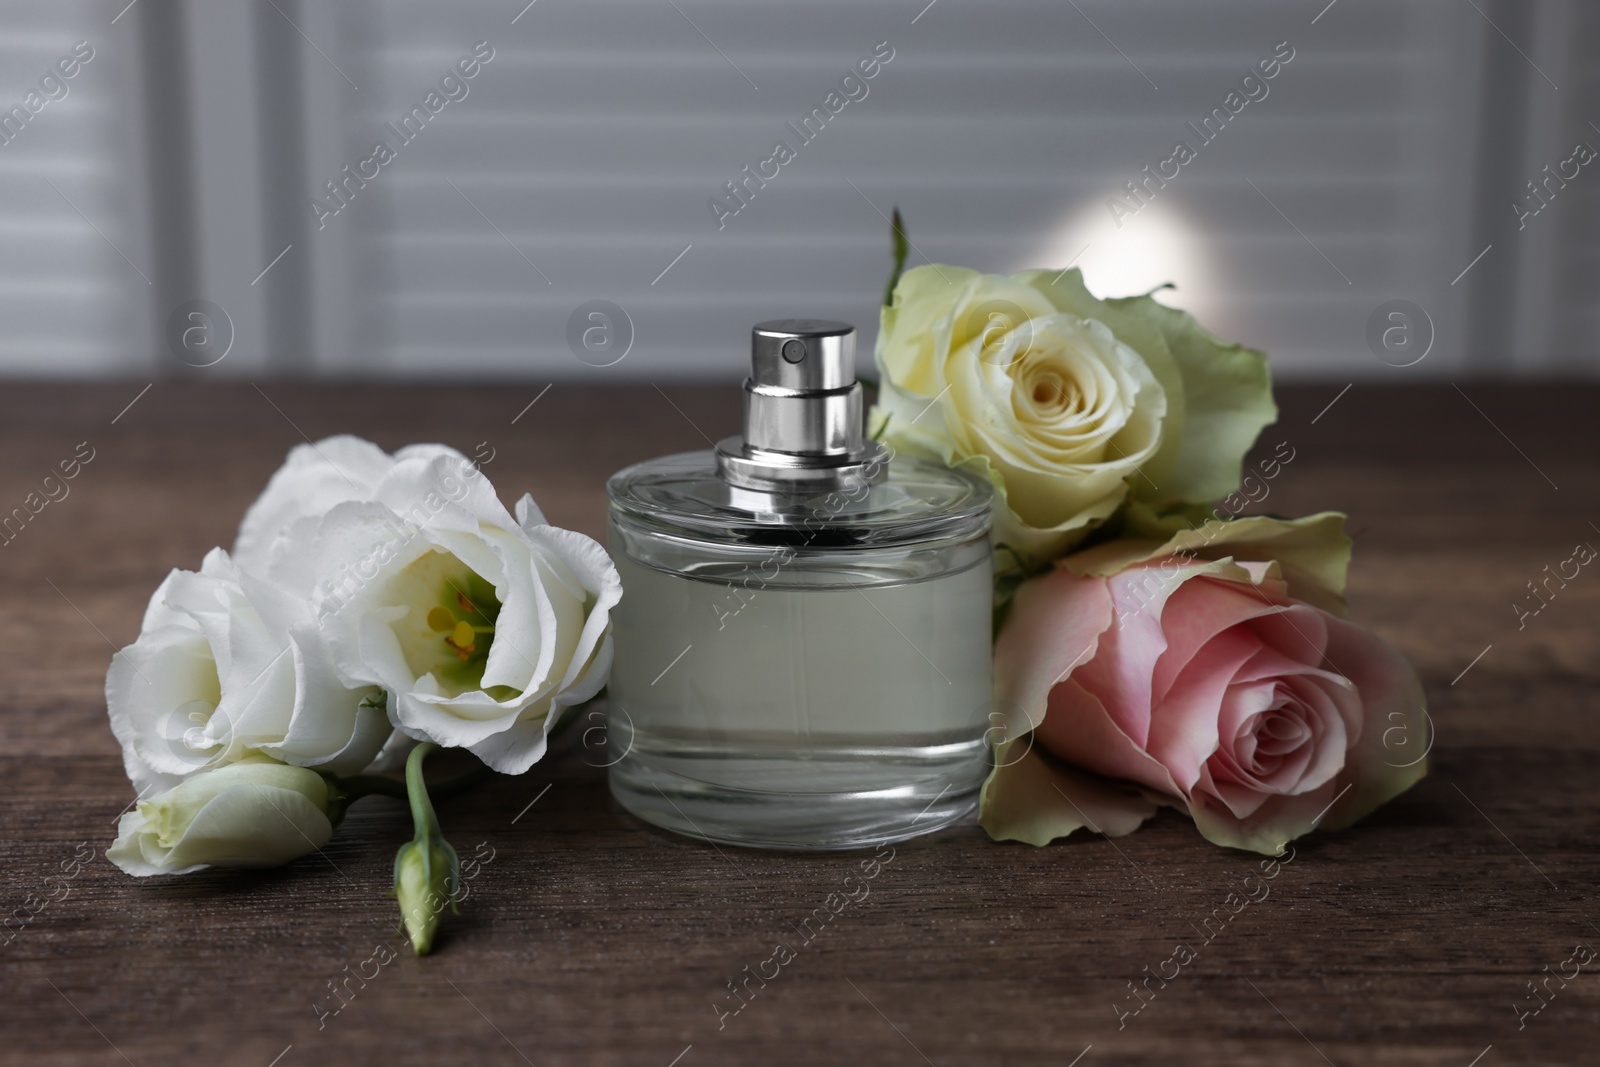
[196, 188]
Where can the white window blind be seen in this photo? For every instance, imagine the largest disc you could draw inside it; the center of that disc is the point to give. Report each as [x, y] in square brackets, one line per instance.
[66, 290]
[359, 204]
[583, 160]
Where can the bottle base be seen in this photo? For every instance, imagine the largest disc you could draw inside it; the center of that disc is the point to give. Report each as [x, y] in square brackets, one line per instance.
[792, 821]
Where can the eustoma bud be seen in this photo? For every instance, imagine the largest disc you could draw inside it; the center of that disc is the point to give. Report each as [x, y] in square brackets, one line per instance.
[253, 813]
[427, 872]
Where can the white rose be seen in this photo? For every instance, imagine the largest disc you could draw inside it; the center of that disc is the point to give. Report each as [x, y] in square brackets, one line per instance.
[479, 627]
[226, 664]
[253, 813]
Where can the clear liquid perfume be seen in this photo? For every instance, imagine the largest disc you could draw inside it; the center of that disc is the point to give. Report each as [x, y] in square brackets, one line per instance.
[803, 643]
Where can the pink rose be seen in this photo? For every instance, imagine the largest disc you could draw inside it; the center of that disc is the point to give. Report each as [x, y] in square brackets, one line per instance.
[1207, 682]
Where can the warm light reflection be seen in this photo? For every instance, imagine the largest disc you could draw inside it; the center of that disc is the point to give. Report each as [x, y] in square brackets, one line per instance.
[1150, 248]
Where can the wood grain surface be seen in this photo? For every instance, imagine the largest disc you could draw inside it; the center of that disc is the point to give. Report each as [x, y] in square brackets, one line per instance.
[590, 938]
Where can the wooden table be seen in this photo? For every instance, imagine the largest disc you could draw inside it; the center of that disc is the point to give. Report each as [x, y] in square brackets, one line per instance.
[593, 939]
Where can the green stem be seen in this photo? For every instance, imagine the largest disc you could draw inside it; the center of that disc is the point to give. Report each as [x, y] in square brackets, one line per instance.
[417, 787]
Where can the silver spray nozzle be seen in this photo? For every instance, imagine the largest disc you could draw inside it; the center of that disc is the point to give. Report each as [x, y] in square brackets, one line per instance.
[802, 412]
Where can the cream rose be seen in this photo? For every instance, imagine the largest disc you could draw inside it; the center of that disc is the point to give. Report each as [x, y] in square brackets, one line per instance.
[1067, 403]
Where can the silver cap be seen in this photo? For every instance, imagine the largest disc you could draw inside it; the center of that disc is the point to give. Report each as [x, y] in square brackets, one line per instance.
[802, 413]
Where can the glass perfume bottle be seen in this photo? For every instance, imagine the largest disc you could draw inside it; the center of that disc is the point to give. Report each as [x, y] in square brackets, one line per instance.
[803, 643]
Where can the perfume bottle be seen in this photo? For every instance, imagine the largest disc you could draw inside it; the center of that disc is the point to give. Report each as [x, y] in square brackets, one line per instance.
[803, 643]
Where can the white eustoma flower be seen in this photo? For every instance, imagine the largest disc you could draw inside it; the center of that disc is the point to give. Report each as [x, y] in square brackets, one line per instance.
[479, 627]
[253, 813]
[225, 665]
[311, 481]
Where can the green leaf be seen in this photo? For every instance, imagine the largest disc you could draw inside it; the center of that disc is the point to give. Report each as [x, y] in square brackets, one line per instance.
[897, 236]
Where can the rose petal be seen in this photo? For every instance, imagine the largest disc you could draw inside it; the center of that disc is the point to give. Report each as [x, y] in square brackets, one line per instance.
[1312, 553]
[1078, 729]
[1124, 660]
[1054, 625]
[1035, 799]
[1184, 728]
[1388, 756]
[1272, 826]
[1203, 607]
